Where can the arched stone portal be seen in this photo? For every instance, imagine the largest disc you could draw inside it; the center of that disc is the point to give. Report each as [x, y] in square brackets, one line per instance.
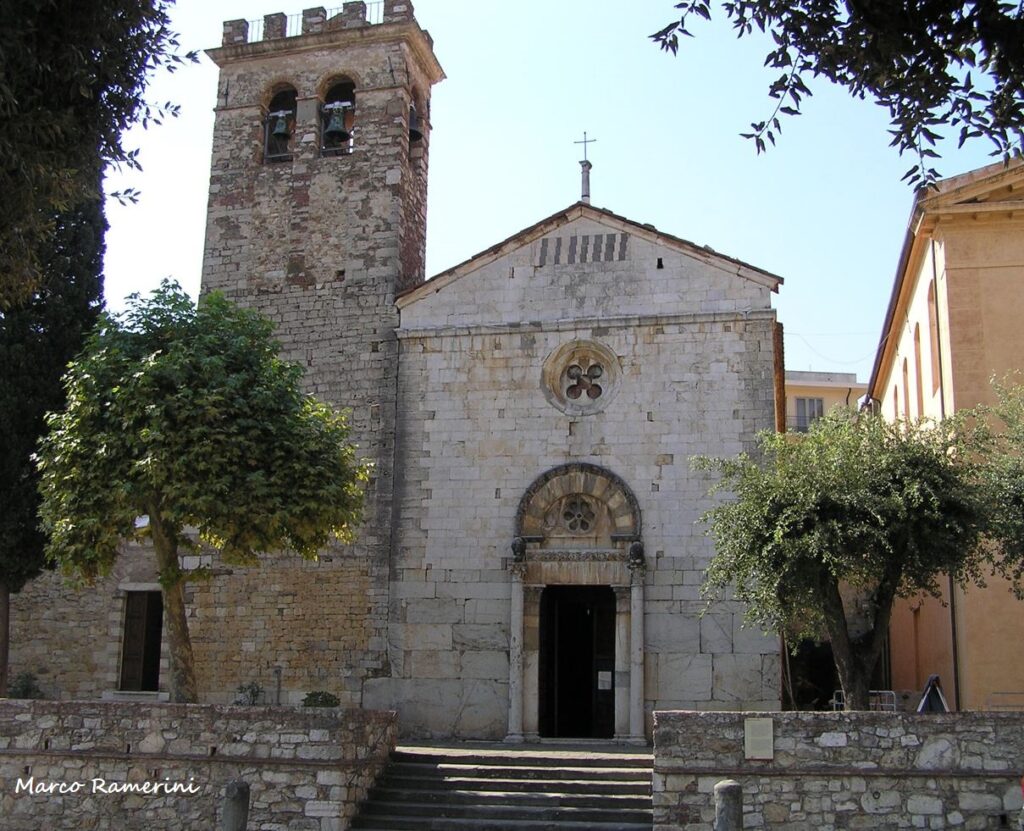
[578, 525]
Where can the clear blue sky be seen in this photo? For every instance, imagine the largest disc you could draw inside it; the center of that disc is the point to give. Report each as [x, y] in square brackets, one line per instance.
[825, 209]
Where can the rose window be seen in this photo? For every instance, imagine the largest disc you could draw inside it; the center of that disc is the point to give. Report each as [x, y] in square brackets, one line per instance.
[584, 383]
[581, 377]
[578, 515]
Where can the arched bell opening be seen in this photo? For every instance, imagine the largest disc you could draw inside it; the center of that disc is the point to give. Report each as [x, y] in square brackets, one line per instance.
[337, 118]
[279, 125]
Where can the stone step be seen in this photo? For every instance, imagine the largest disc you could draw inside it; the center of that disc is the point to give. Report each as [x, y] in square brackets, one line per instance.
[533, 813]
[494, 788]
[454, 824]
[575, 786]
[479, 771]
[481, 797]
[531, 758]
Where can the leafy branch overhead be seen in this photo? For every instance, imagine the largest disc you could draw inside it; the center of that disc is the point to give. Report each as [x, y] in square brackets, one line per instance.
[931, 64]
[73, 75]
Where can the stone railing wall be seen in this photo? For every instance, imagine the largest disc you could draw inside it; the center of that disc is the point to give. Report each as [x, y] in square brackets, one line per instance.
[104, 765]
[833, 771]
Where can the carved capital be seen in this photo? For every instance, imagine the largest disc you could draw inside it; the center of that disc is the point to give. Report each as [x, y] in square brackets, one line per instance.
[637, 561]
[518, 550]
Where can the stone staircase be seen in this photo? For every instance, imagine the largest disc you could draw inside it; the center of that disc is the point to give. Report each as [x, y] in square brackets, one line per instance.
[502, 788]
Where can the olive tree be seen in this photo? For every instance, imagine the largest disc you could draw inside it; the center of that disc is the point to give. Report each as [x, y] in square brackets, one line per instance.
[884, 508]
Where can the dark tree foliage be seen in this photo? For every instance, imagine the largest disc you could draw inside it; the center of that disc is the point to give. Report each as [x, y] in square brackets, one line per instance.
[37, 340]
[72, 78]
[931, 64]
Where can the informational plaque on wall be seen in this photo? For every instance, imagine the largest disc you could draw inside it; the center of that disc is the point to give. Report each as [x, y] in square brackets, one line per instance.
[604, 680]
[758, 738]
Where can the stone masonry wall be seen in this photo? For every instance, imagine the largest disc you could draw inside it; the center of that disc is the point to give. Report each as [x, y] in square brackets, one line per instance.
[70, 638]
[286, 622]
[321, 244]
[476, 429]
[831, 771]
[307, 769]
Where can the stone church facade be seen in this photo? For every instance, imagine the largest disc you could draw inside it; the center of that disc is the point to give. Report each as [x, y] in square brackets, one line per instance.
[531, 558]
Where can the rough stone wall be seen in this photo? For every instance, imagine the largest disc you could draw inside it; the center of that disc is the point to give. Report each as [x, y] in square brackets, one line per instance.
[288, 623]
[321, 245]
[475, 430]
[302, 625]
[843, 771]
[80, 660]
[306, 769]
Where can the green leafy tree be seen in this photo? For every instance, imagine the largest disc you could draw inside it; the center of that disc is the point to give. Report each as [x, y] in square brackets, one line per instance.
[188, 416]
[72, 78]
[931, 64]
[1004, 476]
[38, 338]
[886, 509]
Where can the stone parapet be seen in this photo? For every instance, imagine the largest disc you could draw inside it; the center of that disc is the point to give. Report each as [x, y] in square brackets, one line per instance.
[70, 765]
[829, 771]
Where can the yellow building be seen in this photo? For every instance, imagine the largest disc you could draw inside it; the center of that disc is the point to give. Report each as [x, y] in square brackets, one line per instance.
[956, 319]
[809, 395]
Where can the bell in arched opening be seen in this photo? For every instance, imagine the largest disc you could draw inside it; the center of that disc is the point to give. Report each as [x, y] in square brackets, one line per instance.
[281, 128]
[337, 118]
[336, 130]
[280, 124]
[415, 125]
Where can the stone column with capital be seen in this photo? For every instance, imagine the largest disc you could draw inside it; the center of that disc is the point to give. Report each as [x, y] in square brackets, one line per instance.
[637, 571]
[622, 659]
[515, 643]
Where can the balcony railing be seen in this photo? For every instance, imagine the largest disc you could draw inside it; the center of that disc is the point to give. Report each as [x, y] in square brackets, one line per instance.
[293, 23]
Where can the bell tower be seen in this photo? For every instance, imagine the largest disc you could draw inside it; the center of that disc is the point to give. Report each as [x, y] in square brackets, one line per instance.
[317, 218]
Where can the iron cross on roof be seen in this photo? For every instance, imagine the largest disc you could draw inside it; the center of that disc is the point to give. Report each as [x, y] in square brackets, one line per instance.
[585, 142]
[585, 165]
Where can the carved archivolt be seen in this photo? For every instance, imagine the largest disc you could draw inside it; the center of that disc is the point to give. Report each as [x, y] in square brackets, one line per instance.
[578, 506]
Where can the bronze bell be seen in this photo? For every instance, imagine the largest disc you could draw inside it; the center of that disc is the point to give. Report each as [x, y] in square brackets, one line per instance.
[336, 130]
[281, 129]
[415, 125]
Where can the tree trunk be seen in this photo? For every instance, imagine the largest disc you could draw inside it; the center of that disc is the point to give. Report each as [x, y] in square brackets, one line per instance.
[5, 635]
[857, 691]
[852, 677]
[183, 673]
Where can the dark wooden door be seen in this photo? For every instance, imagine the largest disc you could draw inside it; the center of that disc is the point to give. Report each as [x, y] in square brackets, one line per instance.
[140, 649]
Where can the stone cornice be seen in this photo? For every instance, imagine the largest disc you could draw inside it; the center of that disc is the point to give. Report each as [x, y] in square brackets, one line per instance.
[575, 324]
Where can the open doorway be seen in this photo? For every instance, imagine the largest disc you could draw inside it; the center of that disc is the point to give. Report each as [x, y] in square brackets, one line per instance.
[577, 662]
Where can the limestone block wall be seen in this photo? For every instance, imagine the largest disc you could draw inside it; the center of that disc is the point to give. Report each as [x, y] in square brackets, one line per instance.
[74, 765]
[833, 771]
[476, 429]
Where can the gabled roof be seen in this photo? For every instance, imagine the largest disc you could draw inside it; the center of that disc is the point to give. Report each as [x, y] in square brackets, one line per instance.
[993, 189]
[583, 210]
